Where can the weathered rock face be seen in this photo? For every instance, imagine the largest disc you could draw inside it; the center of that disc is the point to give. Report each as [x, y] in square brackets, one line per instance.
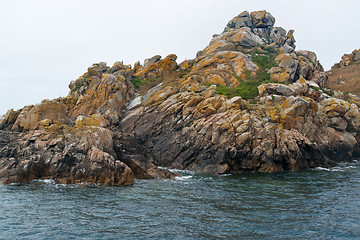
[345, 75]
[254, 37]
[293, 128]
[68, 139]
[248, 102]
[72, 156]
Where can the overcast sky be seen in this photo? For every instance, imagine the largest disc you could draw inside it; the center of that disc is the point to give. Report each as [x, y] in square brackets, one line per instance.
[45, 44]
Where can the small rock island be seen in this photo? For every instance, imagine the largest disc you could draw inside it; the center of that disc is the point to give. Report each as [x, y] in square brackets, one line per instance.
[249, 101]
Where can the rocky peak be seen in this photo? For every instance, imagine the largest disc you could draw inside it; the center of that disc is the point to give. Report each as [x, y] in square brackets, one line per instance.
[257, 28]
[256, 50]
[258, 19]
[348, 59]
[262, 19]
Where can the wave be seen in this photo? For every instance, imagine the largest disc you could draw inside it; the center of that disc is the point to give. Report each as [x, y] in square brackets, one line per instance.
[45, 181]
[182, 172]
[341, 167]
[183, 178]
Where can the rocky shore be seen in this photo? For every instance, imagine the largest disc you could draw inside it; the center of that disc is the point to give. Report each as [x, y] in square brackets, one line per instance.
[248, 102]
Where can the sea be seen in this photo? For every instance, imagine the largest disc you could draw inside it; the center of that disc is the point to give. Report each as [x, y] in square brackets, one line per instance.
[317, 204]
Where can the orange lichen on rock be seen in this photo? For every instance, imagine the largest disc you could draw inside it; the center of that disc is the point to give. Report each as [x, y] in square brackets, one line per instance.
[158, 68]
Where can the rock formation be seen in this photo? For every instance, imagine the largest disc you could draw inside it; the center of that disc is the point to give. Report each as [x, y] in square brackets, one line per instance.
[345, 75]
[248, 102]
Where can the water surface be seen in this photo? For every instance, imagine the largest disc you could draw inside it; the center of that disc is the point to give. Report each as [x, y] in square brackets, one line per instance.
[316, 204]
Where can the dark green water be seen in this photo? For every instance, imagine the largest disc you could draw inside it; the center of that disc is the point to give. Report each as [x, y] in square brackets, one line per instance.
[317, 204]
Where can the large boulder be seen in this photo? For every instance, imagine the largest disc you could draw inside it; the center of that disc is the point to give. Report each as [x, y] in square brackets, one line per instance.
[262, 19]
[242, 20]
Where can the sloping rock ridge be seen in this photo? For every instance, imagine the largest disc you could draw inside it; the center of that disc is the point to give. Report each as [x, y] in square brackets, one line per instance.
[345, 75]
[249, 101]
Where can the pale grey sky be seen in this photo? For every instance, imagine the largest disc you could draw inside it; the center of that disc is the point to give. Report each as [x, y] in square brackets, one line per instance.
[45, 44]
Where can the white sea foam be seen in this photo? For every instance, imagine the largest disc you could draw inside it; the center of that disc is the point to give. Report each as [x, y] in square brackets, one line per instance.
[225, 175]
[342, 167]
[322, 169]
[46, 181]
[333, 169]
[337, 169]
[183, 178]
[182, 172]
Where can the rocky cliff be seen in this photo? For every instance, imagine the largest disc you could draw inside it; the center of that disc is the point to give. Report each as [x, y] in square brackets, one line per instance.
[248, 102]
[345, 75]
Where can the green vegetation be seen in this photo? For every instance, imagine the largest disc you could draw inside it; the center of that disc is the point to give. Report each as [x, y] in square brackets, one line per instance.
[314, 64]
[246, 90]
[268, 48]
[138, 81]
[315, 88]
[329, 92]
[264, 61]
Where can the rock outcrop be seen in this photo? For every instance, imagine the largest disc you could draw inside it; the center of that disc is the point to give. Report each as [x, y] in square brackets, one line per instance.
[70, 139]
[248, 102]
[345, 75]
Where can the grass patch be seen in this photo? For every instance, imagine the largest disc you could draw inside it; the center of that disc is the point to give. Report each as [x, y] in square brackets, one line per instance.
[268, 48]
[138, 82]
[246, 90]
[142, 85]
[264, 62]
[249, 89]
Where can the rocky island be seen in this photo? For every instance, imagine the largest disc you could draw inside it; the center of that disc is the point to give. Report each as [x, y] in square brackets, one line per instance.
[249, 101]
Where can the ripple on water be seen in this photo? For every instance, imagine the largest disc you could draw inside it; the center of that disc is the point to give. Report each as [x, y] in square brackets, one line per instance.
[317, 204]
